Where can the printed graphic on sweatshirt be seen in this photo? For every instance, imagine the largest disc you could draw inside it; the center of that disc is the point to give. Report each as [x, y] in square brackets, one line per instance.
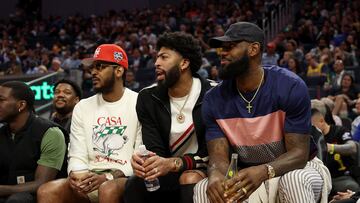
[109, 139]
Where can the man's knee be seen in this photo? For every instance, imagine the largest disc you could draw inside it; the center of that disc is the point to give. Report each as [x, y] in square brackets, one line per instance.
[114, 187]
[302, 181]
[52, 188]
[191, 177]
[292, 177]
[107, 189]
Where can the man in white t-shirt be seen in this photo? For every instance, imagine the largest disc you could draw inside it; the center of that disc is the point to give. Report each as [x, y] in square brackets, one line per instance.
[104, 131]
[172, 127]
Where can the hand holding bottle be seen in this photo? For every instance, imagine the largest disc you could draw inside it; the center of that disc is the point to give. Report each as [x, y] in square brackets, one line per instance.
[151, 184]
[137, 162]
[242, 185]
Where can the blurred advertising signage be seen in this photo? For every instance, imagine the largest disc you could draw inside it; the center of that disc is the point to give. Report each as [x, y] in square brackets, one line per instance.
[43, 88]
[43, 91]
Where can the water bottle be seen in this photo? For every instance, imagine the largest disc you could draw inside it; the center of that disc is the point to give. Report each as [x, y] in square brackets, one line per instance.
[232, 170]
[151, 185]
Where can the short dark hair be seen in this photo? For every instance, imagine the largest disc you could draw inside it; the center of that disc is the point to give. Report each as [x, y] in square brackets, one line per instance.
[185, 44]
[21, 91]
[73, 84]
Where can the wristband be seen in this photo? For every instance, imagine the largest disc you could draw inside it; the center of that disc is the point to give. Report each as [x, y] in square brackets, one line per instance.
[332, 148]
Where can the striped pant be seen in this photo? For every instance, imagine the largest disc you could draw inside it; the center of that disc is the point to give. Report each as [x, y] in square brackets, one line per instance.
[297, 186]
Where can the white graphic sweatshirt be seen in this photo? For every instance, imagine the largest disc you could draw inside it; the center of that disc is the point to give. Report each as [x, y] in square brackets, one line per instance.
[104, 134]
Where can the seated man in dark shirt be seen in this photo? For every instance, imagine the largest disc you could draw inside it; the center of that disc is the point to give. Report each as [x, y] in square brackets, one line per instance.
[340, 147]
[32, 149]
[66, 95]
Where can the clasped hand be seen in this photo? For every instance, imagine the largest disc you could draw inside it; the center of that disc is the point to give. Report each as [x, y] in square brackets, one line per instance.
[90, 182]
[150, 168]
[238, 188]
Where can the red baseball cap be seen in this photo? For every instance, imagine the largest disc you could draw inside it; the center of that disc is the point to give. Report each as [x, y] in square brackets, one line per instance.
[109, 53]
[271, 45]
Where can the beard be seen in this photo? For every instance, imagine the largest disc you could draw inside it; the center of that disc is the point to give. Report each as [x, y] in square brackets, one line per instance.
[63, 110]
[10, 116]
[235, 69]
[108, 85]
[171, 77]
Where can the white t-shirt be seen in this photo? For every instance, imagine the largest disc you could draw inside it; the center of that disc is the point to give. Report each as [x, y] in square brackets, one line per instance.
[183, 139]
[104, 134]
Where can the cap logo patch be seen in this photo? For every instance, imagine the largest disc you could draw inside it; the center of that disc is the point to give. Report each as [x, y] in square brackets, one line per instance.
[118, 56]
[97, 52]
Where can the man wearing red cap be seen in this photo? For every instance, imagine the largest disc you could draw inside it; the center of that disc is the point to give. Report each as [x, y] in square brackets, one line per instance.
[104, 131]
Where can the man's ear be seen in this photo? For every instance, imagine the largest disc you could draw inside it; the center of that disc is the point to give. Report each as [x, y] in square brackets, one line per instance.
[21, 105]
[254, 49]
[119, 71]
[185, 64]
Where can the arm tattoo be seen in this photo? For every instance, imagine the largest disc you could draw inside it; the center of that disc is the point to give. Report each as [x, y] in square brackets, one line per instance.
[218, 155]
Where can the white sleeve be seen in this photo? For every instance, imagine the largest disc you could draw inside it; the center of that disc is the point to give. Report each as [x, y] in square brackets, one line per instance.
[78, 153]
[138, 140]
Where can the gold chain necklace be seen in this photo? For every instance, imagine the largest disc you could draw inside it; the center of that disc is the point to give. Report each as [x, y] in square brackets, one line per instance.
[180, 117]
[248, 106]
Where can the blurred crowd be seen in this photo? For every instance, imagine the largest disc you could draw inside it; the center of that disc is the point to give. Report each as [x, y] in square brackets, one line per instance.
[40, 45]
[320, 45]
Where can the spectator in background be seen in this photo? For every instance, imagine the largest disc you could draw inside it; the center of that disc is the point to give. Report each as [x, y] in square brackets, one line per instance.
[324, 110]
[314, 68]
[11, 63]
[340, 147]
[339, 71]
[348, 54]
[150, 36]
[322, 43]
[66, 95]
[356, 121]
[291, 45]
[32, 149]
[130, 81]
[270, 57]
[214, 74]
[294, 66]
[346, 197]
[344, 96]
[285, 59]
[330, 103]
[346, 57]
[73, 61]
[135, 60]
[56, 66]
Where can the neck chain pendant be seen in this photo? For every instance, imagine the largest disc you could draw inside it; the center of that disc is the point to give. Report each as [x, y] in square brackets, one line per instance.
[249, 107]
[180, 117]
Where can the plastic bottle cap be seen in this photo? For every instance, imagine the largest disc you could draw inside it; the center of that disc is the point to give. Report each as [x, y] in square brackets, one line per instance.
[142, 149]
